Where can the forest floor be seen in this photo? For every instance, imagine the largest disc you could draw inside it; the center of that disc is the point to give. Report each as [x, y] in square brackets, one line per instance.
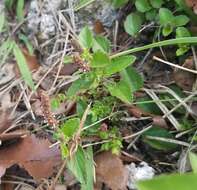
[82, 103]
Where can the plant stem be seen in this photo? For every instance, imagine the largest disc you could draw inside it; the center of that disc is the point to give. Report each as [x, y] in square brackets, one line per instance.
[185, 40]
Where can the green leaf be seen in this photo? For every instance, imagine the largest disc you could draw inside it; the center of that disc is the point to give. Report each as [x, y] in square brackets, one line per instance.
[132, 78]
[182, 32]
[9, 4]
[64, 151]
[55, 103]
[86, 38]
[81, 165]
[22, 64]
[120, 90]
[158, 132]
[5, 49]
[70, 127]
[148, 106]
[167, 30]
[19, 10]
[142, 5]
[89, 168]
[166, 16]
[193, 161]
[27, 43]
[182, 50]
[101, 44]
[151, 15]
[170, 182]
[77, 165]
[119, 3]
[118, 64]
[100, 59]
[133, 24]
[181, 20]
[2, 21]
[82, 84]
[183, 5]
[156, 3]
[68, 59]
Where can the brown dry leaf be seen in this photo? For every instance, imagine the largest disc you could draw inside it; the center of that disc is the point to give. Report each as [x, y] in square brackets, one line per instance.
[13, 135]
[5, 121]
[98, 27]
[184, 79]
[32, 62]
[192, 4]
[159, 121]
[135, 111]
[33, 154]
[69, 69]
[7, 186]
[111, 171]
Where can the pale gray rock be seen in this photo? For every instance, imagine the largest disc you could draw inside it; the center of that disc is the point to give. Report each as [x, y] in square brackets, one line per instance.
[98, 10]
[41, 17]
[136, 173]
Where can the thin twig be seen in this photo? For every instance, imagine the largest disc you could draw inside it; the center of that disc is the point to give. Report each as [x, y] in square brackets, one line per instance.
[58, 175]
[174, 65]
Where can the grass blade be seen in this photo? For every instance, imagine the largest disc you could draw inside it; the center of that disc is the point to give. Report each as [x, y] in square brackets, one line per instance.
[22, 64]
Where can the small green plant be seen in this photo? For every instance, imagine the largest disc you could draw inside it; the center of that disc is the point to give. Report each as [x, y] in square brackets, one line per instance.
[155, 11]
[115, 141]
[115, 77]
[101, 66]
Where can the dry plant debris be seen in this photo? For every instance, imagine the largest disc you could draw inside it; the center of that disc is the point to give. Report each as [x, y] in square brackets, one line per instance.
[142, 104]
[111, 171]
[32, 154]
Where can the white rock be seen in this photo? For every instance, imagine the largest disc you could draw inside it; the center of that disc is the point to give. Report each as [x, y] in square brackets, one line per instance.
[41, 17]
[141, 172]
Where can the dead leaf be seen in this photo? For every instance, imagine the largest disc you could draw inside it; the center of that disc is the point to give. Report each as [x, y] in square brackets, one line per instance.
[184, 79]
[13, 135]
[68, 69]
[7, 186]
[98, 27]
[111, 171]
[32, 154]
[159, 121]
[135, 111]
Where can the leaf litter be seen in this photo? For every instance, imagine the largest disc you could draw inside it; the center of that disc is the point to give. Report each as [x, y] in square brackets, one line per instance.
[38, 156]
[32, 154]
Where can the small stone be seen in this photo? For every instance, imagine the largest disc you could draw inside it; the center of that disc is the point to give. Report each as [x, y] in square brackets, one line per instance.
[141, 172]
[41, 17]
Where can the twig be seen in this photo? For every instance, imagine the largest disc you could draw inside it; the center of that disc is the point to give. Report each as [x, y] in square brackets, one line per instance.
[180, 104]
[58, 175]
[138, 133]
[169, 141]
[163, 108]
[174, 65]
